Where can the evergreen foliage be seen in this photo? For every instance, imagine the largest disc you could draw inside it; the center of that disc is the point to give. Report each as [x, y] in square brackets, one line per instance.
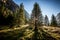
[53, 21]
[46, 20]
[35, 17]
[21, 15]
[36, 14]
[58, 19]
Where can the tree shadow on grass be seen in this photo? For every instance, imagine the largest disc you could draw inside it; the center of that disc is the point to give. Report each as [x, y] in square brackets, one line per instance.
[46, 36]
[11, 35]
[42, 35]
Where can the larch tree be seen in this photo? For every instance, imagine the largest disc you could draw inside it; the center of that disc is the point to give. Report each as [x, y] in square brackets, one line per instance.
[36, 14]
[46, 20]
[53, 21]
[58, 19]
[35, 18]
[21, 15]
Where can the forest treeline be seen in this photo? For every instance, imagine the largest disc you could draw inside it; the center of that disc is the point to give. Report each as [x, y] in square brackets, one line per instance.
[18, 17]
[10, 17]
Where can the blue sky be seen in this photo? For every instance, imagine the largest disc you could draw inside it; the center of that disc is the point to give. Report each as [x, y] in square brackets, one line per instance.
[48, 7]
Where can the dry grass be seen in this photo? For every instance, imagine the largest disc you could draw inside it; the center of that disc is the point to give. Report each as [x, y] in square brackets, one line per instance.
[54, 31]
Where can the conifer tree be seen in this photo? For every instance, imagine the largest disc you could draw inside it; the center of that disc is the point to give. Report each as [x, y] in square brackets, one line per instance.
[3, 7]
[53, 21]
[46, 20]
[35, 17]
[36, 14]
[58, 19]
[21, 15]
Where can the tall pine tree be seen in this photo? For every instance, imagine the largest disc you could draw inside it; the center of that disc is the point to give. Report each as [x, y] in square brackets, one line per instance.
[36, 13]
[53, 21]
[21, 15]
[35, 17]
[46, 20]
[58, 19]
